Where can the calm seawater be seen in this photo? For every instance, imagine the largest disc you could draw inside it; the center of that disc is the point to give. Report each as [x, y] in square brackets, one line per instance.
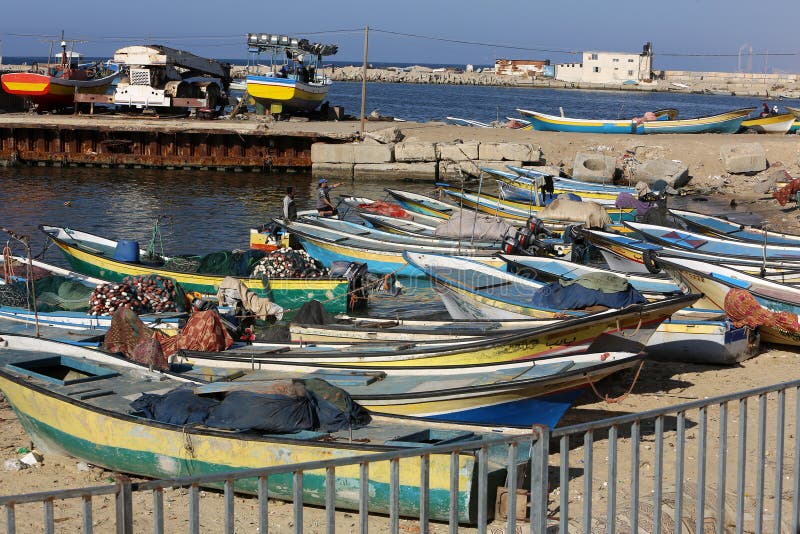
[209, 211]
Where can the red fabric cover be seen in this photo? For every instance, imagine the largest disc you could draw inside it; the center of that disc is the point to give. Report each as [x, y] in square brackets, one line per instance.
[787, 192]
[129, 335]
[743, 309]
[389, 209]
[203, 331]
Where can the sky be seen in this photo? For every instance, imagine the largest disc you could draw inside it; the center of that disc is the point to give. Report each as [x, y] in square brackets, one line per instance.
[697, 35]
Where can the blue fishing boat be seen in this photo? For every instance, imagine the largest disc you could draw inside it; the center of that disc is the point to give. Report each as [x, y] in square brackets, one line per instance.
[421, 203]
[553, 123]
[728, 122]
[570, 184]
[524, 189]
[725, 229]
[398, 226]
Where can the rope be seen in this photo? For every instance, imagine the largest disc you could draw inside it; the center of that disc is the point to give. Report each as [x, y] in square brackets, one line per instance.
[8, 265]
[622, 332]
[612, 400]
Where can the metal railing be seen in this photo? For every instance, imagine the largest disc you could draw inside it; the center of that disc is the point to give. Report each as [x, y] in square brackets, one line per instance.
[713, 481]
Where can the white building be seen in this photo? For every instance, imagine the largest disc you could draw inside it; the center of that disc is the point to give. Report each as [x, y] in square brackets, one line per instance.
[609, 67]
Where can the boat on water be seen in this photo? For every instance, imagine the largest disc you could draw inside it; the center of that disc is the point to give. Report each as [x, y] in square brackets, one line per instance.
[103, 410]
[381, 256]
[62, 298]
[295, 79]
[525, 189]
[716, 282]
[726, 229]
[56, 87]
[98, 256]
[397, 225]
[520, 211]
[570, 184]
[728, 122]
[422, 204]
[769, 124]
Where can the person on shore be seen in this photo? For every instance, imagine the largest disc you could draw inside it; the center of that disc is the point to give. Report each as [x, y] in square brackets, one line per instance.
[325, 207]
[289, 207]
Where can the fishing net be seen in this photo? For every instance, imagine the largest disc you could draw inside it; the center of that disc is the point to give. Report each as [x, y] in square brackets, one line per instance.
[204, 331]
[13, 295]
[183, 264]
[141, 294]
[230, 263]
[129, 335]
[743, 309]
[385, 208]
[53, 293]
[289, 263]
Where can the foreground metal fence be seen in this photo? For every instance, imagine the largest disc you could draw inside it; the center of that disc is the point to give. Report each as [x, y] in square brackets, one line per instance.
[695, 467]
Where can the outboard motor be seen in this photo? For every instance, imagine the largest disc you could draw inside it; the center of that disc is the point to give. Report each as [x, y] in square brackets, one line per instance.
[510, 245]
[525, 237]
[580, 249]
[357, 287]
[537, 227]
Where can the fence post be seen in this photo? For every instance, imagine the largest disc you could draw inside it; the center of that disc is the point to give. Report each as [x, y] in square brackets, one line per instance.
[124, 505]
[539, 481]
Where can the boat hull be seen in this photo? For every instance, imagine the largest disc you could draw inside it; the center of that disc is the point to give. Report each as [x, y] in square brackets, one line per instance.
[771, 124]
[288, 93]
[289, 293]
[50, 90]
[145, 448]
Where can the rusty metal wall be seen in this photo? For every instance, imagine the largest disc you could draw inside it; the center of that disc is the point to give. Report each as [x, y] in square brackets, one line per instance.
[153, 148]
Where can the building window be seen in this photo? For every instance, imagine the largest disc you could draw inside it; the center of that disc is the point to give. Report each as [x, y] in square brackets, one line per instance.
[595, 69]
[630, 60]
[593, 56]
[615, 60]
[630, 73]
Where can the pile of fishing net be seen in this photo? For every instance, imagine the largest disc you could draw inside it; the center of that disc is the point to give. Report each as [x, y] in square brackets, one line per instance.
[390, 209]
[141, 294]
[289, 263]
[742, 308]
[53, 293]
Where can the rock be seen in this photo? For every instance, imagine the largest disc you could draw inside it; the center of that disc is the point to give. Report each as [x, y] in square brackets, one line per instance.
[769, 178]
[743, 158]
[14, 465]
[594, 167]
[386, 135]
[84, 466]
[32, 459]
[675, 173]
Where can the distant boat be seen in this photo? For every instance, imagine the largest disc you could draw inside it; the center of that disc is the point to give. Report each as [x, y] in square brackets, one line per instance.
[728, 122]
[58, 86]
[553, 123]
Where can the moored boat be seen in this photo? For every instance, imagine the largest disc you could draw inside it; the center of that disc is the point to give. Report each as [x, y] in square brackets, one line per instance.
[115, 427]
[95, 256]
[726, 229]
[769, 124]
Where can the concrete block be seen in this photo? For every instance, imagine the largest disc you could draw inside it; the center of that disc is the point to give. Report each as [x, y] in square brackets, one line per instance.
[363, 171]
[332, 153]
[675, 173]
[594, 167]
[743, 158]
[457, 151]
[413, 151]
[455, 170]
[509, 152]
[332, 170]
[373, 153]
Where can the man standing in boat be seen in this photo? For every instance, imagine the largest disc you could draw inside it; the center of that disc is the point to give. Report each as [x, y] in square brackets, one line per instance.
[325, 207]
[289, 207]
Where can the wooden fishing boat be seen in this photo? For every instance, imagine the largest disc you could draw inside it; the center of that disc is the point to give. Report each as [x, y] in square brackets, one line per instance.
[379, 207]
[523, 189]
[396, 225]
[94, 255]
[794, 111]
[407, 239]
[770, 124]
[519, 211]
[82, 407]
[381, 257]
[691, 241]
[553, 123]
[295, 81]
[77, 316]
[728, 122]
[570, 184]
[723, 228]
[546, 270]
[422, 204]
[627, 254]
[58, 89]
[715, 282]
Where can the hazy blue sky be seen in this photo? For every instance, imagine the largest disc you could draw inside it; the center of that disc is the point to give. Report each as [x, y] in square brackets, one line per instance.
[686, 34]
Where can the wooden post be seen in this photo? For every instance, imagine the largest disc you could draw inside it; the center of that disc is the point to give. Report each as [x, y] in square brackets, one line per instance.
[364, 80]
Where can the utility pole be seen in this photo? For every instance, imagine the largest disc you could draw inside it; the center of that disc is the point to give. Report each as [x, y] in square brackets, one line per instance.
[364, 80]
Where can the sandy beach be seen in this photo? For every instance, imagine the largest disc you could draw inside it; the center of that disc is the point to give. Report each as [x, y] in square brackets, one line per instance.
[660, 384]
